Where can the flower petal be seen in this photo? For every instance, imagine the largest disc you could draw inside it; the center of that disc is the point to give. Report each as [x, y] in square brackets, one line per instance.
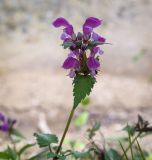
[93, 22]
[4, 127]
[97, 37]
[69, 30]
[60, 22]
[93, 73]
[92, 63]
[72, 73]
[70, 63]
[87, 30]
[64, 36]
[96, 50]
[2, 118]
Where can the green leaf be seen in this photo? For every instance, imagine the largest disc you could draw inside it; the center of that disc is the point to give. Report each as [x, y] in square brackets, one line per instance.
[24, 148]
[95, 43]
[17, 134]
[44, 140]
[4, 155]
[77, 154]
[92, 131]
[40, 156]
[12, 154]
[112, 154]
[51, 155]
[82, 119]
[62, 157]
[67, 44]
[129, 129]
[85, 101]
[96, 126]
[82, 87]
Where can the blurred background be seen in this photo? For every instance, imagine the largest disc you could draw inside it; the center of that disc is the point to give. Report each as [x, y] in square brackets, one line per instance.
[35, 90]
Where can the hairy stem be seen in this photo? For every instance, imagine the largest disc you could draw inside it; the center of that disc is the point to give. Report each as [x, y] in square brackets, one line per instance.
[66, 130]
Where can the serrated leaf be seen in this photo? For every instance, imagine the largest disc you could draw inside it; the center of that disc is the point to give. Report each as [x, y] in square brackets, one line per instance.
[82, 88]
[44, 140]
[82, 119]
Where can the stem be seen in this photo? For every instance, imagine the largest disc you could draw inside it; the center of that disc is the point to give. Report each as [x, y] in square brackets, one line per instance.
[66, 130]
[130, 145]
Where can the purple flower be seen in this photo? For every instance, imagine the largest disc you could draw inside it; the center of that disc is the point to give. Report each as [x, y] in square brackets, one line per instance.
[79, 60]
[93, 22]
[89, 24]
[92, 63]
[97, 37]
[96, 50]
[71, 63]
[4, 125]
[61, 22]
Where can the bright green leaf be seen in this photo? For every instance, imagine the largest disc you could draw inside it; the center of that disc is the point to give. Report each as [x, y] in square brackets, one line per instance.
[4, 155]
[85, 101]
[82, 119]
[82, 88]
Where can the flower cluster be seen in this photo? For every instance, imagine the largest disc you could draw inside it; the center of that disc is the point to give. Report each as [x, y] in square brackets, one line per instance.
[6, 123]
[84, 51]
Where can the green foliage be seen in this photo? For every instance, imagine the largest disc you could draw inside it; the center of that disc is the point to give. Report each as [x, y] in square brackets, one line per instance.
[95, 43]
[82, 119]
[24, 148]
[92, 131]
[41, 156]
[8, 154]
[82, 88]
[67, 44]
[129, 129]
[85, 101]
[45, 140]
[78, 155]
[4, 155]
[112, 154]
[51, 155]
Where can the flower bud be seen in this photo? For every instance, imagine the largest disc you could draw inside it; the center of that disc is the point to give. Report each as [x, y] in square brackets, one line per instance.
[79, 36]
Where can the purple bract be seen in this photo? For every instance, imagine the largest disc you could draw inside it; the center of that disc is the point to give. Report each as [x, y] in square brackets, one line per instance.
[84, 54]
